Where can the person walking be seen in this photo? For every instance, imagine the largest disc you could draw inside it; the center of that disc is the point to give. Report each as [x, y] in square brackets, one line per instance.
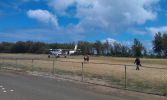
[137, 62]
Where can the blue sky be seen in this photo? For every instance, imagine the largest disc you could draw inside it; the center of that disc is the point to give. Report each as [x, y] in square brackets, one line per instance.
[89, 20]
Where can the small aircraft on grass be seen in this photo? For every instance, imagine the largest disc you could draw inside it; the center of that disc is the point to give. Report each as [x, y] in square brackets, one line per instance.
[62, 52]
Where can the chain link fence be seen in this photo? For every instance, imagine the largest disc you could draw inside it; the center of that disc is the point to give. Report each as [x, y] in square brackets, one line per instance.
[147, 79]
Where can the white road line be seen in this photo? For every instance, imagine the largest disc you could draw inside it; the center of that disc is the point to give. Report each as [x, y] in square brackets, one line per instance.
[11, 90]
[4, 91]
[3, 88]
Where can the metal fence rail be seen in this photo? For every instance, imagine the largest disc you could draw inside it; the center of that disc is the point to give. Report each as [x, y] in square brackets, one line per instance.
[147, 79]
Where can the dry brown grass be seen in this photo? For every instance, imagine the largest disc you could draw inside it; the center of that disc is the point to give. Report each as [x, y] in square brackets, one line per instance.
[149, 75]
[113, 60]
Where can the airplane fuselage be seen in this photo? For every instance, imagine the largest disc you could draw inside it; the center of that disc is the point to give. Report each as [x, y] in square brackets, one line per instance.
[63, 52]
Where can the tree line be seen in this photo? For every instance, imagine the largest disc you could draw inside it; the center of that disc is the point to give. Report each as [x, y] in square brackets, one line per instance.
[92, 48]
[160, 44]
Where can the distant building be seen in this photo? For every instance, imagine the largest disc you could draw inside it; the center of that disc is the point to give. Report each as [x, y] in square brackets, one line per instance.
[94, 51]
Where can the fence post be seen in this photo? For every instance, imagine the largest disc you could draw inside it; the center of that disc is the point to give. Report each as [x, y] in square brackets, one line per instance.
[53, 72]
[16, 64]
[82, 73]
[32, 66]
[1, 63]
[16, 61]
[125, 77]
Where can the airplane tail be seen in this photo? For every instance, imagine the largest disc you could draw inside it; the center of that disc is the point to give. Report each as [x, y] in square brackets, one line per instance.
[76, 46]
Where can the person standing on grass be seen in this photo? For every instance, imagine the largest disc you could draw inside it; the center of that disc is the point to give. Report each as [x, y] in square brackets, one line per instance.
[86, 58]
[137, 62]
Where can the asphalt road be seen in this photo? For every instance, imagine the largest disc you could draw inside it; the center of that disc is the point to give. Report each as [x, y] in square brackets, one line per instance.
[14, 86]
[26, 87]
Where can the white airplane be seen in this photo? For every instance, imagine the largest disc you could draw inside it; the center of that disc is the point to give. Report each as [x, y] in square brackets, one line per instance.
[61, 52]
[73, 51]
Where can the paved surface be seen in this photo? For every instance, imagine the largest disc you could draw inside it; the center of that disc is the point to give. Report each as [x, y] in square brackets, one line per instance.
[14, 86]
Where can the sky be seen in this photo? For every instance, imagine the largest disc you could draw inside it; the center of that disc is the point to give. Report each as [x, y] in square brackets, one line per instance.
[82, 20]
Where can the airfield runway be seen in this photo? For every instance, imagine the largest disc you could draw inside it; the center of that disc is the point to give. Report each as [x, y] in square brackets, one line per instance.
[16, 86]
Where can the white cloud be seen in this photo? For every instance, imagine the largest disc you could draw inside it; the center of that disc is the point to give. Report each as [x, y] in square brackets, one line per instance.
[109, 40]
[154, 30]
[137, 31]
[60, 5]
[43, 16]
[129, 43]
[43, 34]
[109, 16]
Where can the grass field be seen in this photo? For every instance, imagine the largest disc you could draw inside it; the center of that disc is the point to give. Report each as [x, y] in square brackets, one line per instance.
[147, 79]
[113, 60]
